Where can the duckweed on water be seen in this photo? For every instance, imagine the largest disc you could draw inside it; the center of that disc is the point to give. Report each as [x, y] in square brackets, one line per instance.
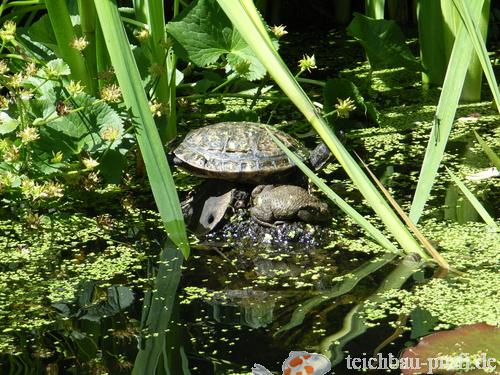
[46, 262]
[456, 300]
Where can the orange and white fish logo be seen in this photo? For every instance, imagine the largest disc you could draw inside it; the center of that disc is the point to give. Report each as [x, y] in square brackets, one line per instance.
[299, 363]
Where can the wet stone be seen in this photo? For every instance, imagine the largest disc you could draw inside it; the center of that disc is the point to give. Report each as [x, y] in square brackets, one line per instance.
[241, 231]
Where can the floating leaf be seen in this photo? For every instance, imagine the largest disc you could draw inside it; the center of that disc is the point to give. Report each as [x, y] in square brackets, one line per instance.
[422, 322]
[460, 346]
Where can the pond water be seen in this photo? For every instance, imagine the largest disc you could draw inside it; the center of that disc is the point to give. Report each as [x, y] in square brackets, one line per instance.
[83, 291]
[265, 309]
[234, 307]
[248, 294]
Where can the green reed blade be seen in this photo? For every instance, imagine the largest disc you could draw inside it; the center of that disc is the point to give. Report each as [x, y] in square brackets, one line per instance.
[342, 204]
[469, 18]
[88, 22]
[160, 177]
[430, 36]
[375, 9]
[488, 151]
[247, 20]
[473, 200]
[445, 114]
[152, 13]
[157, 313]
[63, 31]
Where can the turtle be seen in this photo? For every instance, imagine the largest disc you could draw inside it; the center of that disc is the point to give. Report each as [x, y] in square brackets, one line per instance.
[240, 151]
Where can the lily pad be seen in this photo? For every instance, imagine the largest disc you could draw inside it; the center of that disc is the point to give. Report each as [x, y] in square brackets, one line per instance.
[470, 349]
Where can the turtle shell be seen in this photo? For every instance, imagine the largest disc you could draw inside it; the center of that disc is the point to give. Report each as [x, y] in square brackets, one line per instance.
[236, 151]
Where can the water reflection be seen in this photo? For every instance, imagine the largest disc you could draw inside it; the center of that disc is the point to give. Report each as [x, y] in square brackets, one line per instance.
[275, 310]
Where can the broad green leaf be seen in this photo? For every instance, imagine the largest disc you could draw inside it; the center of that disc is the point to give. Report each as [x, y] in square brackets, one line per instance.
[111, 166]
[41, 32]
[82, 131]
[204, 35]
[7, 123]
[383, 42]
[55, 68]
[43, 104]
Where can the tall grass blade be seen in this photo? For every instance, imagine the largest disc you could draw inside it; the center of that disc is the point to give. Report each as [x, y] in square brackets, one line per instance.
[153, 14]
[375, 9]
[473, 200]
[247, 20]
[423, 240]
[430, 37]
[469, 18]
[88, 20]
[445, 114]
[343, 205]
[160, 178]
[103, 63]
[488, 151]
[63, 31]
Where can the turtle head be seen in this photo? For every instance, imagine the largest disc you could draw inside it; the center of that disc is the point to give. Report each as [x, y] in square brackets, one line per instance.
[320, 156]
